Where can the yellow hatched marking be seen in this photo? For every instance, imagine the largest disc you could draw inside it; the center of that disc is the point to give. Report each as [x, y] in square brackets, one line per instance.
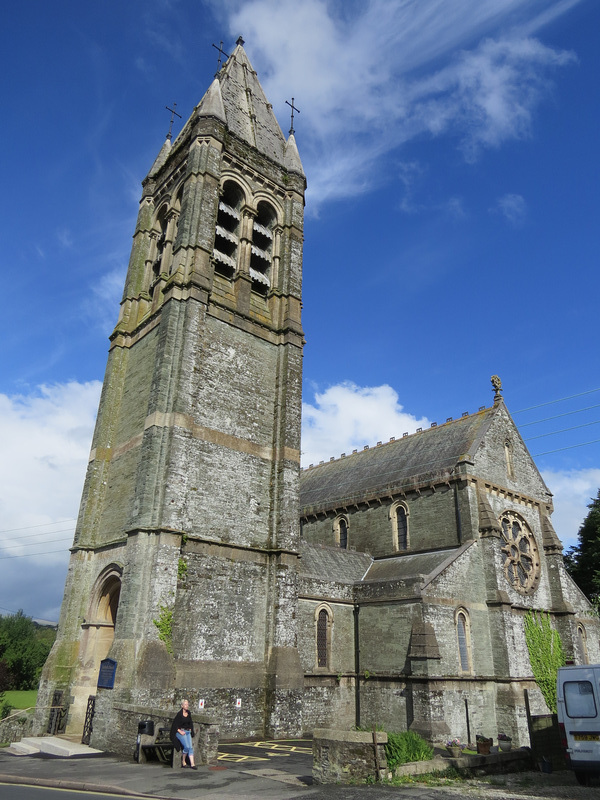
[237, 759]
[277, 746]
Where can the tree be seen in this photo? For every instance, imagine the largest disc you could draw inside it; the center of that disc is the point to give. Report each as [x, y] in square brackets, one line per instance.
[24, 647]
[583, 560]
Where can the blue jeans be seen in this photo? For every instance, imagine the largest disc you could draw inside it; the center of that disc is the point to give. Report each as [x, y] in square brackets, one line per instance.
[186, 742]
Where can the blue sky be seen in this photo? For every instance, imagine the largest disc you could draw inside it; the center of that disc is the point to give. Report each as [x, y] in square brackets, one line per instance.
[451, 230]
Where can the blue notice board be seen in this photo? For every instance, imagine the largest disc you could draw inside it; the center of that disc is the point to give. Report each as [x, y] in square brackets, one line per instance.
[106, 676]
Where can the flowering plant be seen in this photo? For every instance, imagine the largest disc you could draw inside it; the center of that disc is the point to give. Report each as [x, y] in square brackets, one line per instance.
[454, 742]
[503, 737]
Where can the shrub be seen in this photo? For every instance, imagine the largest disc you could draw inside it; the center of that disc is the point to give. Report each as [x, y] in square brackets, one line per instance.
[406, 746]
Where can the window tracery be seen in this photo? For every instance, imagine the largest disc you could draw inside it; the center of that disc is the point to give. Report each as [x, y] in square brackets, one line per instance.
[519, 553]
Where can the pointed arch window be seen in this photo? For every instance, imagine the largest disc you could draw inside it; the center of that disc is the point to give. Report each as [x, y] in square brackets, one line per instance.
[340, 527]
[463, 640]
[227, 232]
[323, 627]
[399, 517]
[262, 247]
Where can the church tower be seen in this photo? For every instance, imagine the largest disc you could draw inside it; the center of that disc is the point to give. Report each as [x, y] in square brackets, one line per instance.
[184, 564]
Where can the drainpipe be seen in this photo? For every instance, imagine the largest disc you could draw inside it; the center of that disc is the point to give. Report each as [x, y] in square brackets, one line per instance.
[356, 668]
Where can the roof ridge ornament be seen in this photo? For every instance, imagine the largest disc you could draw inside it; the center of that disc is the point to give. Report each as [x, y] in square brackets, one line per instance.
[497, 384]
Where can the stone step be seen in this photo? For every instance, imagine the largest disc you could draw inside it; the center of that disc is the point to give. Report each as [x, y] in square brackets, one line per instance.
[22, 749]
[54, 746]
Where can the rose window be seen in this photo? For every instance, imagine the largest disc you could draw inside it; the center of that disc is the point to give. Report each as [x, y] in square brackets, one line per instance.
[520, 554]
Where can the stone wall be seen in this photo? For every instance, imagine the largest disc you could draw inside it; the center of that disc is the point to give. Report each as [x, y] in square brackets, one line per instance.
[341, 756]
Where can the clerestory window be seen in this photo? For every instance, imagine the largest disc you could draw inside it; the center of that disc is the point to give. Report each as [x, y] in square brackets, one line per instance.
[340, 528]
[399, 517]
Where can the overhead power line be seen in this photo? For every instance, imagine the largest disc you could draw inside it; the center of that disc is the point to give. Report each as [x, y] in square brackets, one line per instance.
[551, 402]
[557, 416]
[29, 555]
[563, 430]
[560, 449]
[34, 544]
[41, 525]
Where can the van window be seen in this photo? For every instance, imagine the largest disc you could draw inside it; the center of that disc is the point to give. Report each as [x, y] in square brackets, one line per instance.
[579, 699]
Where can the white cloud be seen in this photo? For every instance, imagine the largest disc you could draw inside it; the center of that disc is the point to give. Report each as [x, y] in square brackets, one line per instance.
[46, 439]
[370, 76]
[573, 490]
[346, 417]
[512, 207]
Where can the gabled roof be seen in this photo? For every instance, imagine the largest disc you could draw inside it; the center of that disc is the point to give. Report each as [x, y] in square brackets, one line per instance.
[423, 458]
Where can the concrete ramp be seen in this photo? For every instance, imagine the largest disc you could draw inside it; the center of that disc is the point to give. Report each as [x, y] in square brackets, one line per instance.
[52, 746]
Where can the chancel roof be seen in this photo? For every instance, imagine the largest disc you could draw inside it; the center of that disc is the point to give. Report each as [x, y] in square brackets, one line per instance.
[423, 458]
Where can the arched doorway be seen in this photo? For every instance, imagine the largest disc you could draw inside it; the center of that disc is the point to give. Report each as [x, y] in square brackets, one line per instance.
[98, 632]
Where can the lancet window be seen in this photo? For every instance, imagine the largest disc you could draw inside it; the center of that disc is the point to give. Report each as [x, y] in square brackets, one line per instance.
[399, 517]
[463, 638]
[323, 621]
[340, 528]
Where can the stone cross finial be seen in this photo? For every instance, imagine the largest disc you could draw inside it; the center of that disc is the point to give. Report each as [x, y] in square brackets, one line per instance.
[173, 115]
[221, 53]
[497, 384]
[293, 107]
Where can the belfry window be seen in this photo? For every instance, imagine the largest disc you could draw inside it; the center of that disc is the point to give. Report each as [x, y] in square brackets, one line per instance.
[161, 241]
[227, 233]
[262, 248]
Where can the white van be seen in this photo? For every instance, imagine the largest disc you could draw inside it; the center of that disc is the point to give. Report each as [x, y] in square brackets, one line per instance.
[578, 700]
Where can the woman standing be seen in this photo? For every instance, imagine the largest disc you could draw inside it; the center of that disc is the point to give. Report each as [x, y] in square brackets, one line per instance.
[182, 731]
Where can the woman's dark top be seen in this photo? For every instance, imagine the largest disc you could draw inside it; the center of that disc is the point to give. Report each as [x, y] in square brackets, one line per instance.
[181, 722]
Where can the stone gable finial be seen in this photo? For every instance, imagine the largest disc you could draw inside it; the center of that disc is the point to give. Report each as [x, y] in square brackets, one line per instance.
[497, 384]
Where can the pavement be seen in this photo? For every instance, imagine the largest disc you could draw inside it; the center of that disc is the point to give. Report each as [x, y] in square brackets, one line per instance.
[261, 770]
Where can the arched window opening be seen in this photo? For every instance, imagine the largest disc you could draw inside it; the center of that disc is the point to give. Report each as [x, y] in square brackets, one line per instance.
[323, 620]
[262, 248]
[227, 233]
[399, 517]
[340, 528]
[161, 242]
[582, 636]
[508, 455]
[464, 641]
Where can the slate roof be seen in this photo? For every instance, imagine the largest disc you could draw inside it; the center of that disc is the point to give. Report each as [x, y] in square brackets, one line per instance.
[419, 565]
[237, 98]
[332, 563]
[422, 458]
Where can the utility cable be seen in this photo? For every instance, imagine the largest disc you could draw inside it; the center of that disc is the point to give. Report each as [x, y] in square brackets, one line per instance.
[564, 430]
[557, 416]
[551, 402]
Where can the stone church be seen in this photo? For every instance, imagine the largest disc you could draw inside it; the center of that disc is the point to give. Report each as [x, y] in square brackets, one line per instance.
[386, 586]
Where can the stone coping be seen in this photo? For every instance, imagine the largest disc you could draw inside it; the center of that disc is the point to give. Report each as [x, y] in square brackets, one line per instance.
[511, 761]
[144, 711]
[359, 737]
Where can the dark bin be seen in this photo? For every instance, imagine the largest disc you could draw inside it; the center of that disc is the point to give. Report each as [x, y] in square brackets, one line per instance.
[146, 727]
